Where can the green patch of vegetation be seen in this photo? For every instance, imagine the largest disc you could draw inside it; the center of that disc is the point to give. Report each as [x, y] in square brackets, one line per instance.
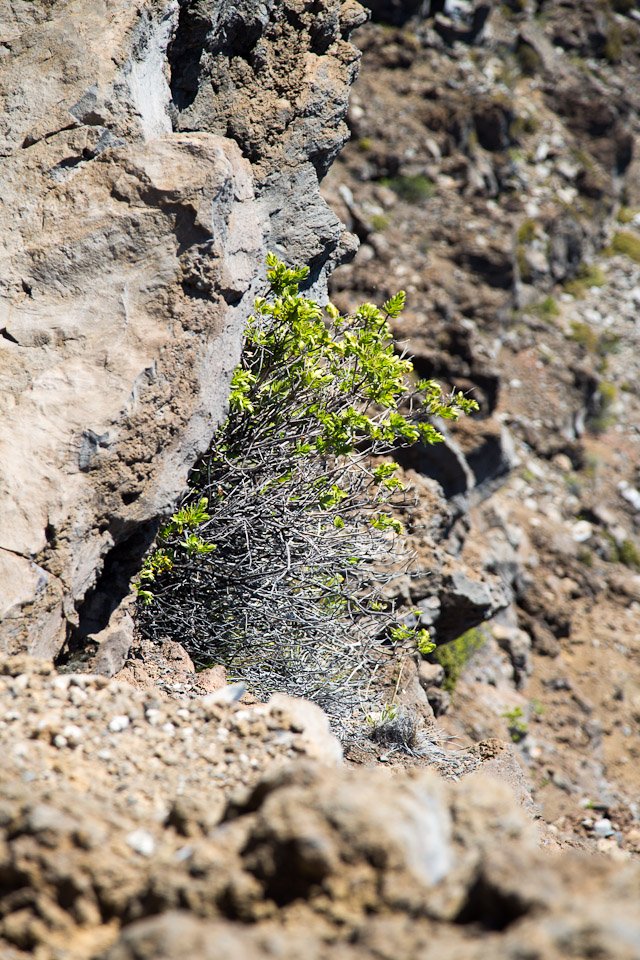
[547, 309]
[455, 655]
[626, 243]
[588, 275]
[526, 231]
[629, 554]
[626, 552]
[592, 341]
[365, 144]
[585, 556]
[524, 123]
[379, 222]
[387, 713]
[524, 268]
[614, 43]
[277, 560]
[516, 723]
[626, 214]
[604, 418]
[412, 189]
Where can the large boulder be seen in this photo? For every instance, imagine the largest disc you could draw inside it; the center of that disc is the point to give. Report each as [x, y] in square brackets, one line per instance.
[150, 154]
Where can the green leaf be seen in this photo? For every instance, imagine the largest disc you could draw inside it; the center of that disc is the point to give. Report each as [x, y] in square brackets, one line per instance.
[395, 305]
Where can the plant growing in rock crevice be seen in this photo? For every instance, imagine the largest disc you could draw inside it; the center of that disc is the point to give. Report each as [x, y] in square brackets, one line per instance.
[277, 560]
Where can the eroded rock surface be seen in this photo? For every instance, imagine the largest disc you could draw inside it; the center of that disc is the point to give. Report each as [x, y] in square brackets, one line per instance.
[149, 156]
[145, 823]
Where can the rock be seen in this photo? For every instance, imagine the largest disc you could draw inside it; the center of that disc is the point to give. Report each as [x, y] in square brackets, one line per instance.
[141, 187]
[465, 603]
[394, 12]
[517, 644]
[114, 644]
[430, 675]
[543, 640]
[119, 723]
[581, 531]
[313, 725]
[603, 828]
[630, 494]
[439, 701]
[398, 846]
[226, 695]
[500, 760]
[178, 934]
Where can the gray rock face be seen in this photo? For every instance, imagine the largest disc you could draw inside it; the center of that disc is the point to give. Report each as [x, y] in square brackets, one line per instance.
[150, 154]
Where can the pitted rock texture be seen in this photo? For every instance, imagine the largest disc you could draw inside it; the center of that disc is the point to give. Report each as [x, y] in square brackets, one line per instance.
[141, 823]
[149, 155]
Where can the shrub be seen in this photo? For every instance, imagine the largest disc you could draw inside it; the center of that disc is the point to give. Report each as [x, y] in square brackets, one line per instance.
[629, 554]
[588, 275]
[517, 724]
[613, 47]
[546, 309]
[600, 344]
[379, 222]
[527, 231]
[626, 215]
[455, 655]
[277, 562]
[626, 243]
[603, 416]
[413, 189]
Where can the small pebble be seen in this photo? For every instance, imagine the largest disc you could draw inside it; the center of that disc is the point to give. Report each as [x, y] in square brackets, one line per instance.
[119, 723]
[581, 531]
[603, 828]
[142, 842]
[73, 734]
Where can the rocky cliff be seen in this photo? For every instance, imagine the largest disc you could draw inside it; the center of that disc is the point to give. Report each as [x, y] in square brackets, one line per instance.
[504, 198]
[149, 156]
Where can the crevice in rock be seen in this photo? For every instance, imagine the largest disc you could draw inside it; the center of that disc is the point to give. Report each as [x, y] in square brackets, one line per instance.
[4, 333]
[30, 141]
[184, 54]
[490, 908]
[121, 564]
[443, 463]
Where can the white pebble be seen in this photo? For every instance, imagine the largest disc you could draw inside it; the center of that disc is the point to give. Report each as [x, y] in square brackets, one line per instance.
[153, 716]
[225, 695]
[581, 531]
[77, 696]
[73, 734]
[603, 828]
[630, 494]
[119, 723]
[142, 842]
